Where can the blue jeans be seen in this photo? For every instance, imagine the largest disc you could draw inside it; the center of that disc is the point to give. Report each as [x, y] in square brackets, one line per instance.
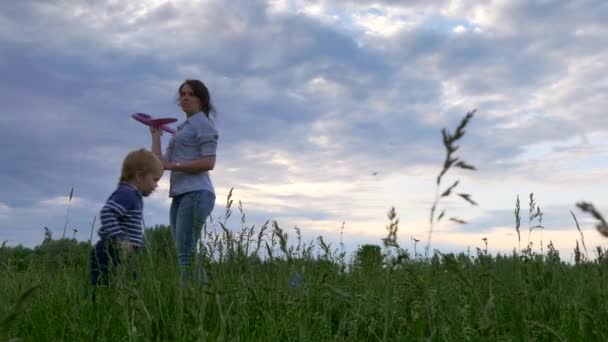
[104, 258]
[104, 261]
[189, 211]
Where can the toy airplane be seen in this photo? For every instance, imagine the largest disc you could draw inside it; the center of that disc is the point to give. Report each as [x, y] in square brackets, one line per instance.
[156, 123]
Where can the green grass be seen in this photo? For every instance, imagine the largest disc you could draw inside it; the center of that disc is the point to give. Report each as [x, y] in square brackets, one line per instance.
[379, 295]
[444, 298]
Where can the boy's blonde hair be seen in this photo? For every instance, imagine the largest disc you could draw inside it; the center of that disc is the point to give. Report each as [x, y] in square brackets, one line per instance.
[142, 161]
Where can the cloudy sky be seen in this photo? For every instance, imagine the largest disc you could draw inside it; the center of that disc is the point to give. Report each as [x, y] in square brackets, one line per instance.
[329, 111]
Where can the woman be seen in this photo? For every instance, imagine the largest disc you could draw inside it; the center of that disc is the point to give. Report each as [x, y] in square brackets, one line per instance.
[190, 156]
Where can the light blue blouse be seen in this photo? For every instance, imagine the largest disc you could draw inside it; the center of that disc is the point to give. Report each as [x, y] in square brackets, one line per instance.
[195, 138]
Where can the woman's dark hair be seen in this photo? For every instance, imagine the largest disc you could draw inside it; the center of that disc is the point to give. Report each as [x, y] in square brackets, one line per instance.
[200, 91]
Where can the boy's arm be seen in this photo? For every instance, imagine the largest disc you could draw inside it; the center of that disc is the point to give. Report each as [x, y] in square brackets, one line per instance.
[110, 216]
[126, 248]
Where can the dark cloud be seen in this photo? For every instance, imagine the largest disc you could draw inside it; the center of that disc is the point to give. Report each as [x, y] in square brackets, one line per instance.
[335, 103]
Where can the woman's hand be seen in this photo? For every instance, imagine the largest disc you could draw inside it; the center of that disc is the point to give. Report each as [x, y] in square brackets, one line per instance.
[191, 166]
[156, 132]
[156, 148]
[169, 166]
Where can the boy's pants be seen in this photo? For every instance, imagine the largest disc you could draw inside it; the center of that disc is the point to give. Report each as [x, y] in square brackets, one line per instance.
[104, 254]
[105, 258]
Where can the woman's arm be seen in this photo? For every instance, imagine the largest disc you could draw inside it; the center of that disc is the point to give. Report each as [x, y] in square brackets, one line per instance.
[156, 144]
[192, 166]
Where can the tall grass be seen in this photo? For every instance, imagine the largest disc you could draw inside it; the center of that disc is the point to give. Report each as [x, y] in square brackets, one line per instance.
[303, 298]
[450, 162]
[67, 213]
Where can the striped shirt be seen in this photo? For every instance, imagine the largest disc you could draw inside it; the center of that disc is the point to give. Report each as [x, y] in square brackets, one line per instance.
[122, 216]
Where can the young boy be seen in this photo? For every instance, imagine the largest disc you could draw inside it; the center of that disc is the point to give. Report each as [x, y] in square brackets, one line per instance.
[122, 231]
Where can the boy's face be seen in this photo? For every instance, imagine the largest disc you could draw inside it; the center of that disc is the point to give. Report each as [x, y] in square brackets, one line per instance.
[147, 182]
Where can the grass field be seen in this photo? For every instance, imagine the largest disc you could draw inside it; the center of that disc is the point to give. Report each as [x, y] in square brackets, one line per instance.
[302, 294]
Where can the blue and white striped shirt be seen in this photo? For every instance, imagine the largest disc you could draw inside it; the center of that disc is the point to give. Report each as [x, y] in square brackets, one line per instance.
[122, 216]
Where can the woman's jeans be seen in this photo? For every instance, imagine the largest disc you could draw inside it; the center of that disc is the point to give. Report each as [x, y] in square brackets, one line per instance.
[188, 214]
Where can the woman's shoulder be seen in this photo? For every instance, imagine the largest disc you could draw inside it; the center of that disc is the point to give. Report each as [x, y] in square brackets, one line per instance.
[203, 122]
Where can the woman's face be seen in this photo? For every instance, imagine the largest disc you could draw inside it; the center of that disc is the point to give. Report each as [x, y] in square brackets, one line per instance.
[188, 101]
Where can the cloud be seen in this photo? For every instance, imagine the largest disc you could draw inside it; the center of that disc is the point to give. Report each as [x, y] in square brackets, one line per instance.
[313, 98]
[4, 209]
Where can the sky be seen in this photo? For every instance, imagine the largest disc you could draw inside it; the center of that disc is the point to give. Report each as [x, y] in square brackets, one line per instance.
[329, 111]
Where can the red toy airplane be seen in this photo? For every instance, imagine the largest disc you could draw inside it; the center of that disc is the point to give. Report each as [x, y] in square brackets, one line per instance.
[156, 123]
